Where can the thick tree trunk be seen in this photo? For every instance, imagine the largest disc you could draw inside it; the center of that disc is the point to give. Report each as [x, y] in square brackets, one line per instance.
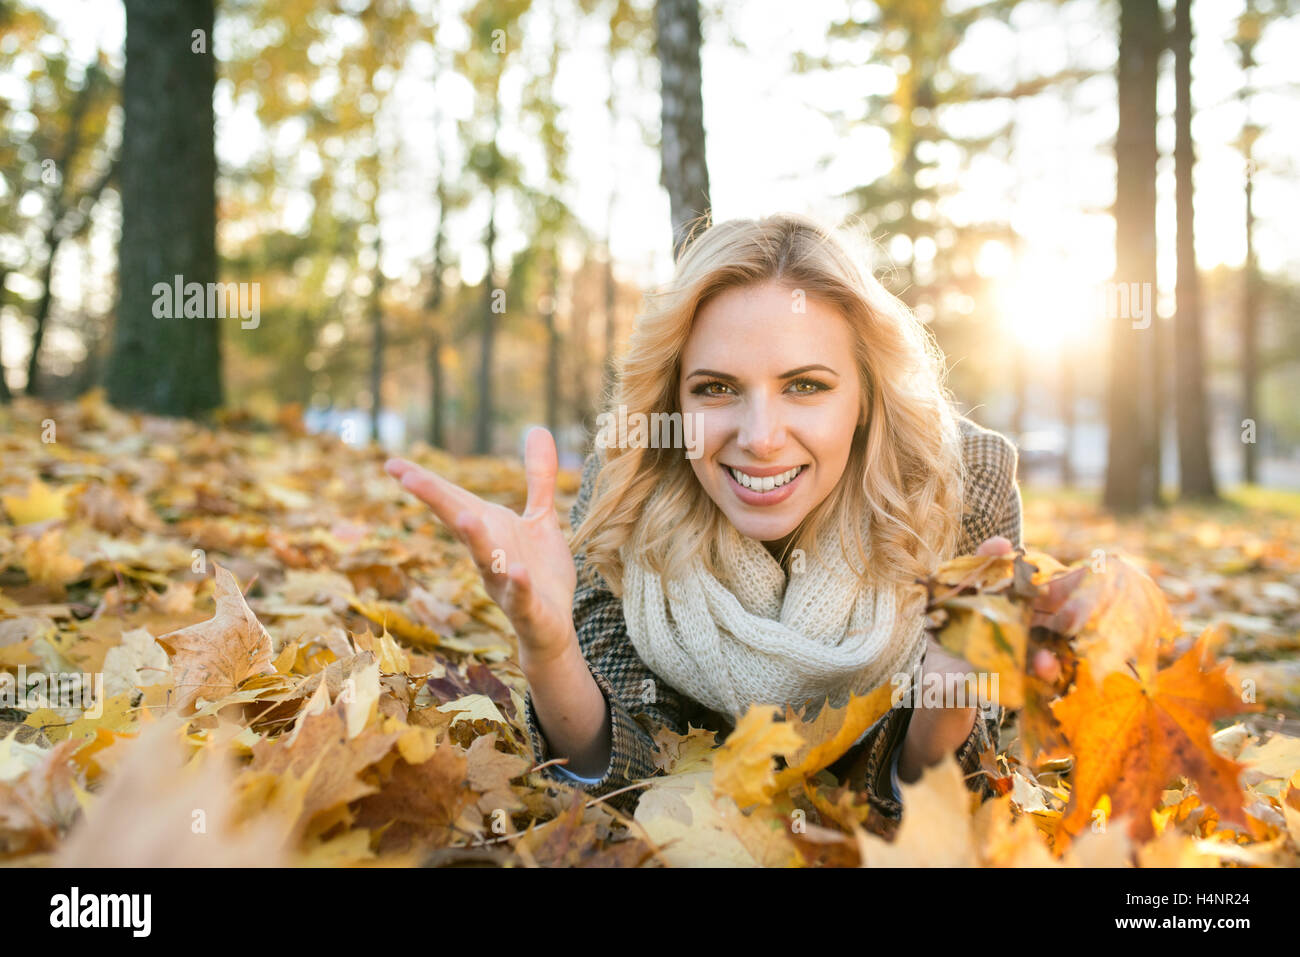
[1195, 474]
[167, 179]
[1131, 482]
[685, 173]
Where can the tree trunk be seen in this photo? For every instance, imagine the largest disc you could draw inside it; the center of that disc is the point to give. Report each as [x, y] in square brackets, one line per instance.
[1195, 474]
[167, 179]
[42, 314]
[483, 415]
[1250, 279]
[684, 173]
[1130, 479]
[437, 437]
[5, 396]
[378, 342]
[1067, 419]
[553, 348]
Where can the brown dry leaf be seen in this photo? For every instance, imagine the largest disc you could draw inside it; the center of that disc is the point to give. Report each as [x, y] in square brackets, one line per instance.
[38, 799]
[191, 820]
[48, 563]
[1008, 839]
[211, 658]
[1131, 739]
[1117, 615]
[572, 840]
[692, 751]
[322, 754]
[114, 508]
[490, 772]
[419, 805]
[693, 827]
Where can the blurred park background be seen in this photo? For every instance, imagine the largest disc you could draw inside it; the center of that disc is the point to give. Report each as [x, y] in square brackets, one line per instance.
[440, 217]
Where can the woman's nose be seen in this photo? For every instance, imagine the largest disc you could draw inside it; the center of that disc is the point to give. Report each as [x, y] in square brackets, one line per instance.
[762, 431]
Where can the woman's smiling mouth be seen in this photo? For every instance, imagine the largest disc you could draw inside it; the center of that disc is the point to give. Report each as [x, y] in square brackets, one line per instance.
[764, 490]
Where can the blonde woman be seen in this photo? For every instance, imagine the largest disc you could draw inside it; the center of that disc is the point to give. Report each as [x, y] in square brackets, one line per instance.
[760, 541]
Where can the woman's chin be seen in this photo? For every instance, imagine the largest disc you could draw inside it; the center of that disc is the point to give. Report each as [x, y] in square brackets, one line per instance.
[764, 531]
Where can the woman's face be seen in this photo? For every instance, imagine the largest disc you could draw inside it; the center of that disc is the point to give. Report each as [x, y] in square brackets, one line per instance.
[773, 379]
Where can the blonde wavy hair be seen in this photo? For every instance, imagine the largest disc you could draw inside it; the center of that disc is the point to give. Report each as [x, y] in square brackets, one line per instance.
[905, 464]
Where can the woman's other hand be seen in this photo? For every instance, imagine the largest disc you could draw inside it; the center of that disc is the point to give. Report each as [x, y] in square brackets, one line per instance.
[524, 560]
[1045, 665]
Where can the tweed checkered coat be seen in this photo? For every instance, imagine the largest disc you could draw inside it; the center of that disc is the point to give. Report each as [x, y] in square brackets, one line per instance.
[991, 507]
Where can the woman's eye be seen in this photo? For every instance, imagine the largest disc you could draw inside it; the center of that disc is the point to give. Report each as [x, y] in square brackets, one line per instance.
[704, 389]
[816, 386]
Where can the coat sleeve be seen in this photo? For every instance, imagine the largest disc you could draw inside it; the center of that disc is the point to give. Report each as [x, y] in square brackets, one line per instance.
[991, 500]
[639, 701]
[991, 507]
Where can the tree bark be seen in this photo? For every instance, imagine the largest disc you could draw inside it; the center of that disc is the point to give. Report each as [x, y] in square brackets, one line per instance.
[553, 346]
[483, 415]
[1195, 473]
[378, 342]
[437, 437]
[1131, 482]
[684, 171]
[168, 172]
[5, 395]
[167, 178]
[1250, 276]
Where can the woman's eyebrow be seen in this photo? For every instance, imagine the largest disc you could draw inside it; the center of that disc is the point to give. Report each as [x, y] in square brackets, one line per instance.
[785, 375]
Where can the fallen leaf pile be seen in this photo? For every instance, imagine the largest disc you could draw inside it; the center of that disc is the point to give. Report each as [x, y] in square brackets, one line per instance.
[249, 646]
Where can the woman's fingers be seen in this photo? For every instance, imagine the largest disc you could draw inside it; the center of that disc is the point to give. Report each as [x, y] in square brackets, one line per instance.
[445, 498]
[519, 588]
[997, 545]
[540, 463]
[1047, 666]
[481, 548]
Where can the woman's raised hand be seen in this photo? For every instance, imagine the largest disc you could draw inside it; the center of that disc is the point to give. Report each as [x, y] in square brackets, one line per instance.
[524, 560]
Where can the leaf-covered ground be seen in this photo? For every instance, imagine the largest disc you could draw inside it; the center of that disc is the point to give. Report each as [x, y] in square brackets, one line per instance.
[291, 662]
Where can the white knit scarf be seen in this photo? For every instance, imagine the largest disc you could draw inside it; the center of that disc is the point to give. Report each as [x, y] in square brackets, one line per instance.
[752, 637]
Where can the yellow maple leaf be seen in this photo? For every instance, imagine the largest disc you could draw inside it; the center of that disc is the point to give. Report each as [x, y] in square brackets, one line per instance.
[41, 503]
[743, 765]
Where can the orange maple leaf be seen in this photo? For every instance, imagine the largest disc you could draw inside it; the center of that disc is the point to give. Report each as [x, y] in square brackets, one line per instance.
[211, 658]
[1131, 738]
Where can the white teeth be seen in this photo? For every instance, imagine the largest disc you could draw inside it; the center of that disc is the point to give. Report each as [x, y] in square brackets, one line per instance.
[765, 484]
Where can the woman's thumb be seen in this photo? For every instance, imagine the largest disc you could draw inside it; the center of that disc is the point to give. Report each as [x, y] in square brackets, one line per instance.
[540, 464]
